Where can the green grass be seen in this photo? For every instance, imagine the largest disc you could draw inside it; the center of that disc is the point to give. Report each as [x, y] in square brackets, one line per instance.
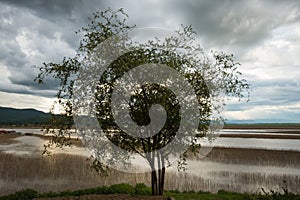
[141, 189]
[225, 195]
[123, 188]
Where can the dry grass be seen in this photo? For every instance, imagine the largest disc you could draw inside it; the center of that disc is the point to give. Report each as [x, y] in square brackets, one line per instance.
[261, 157]
[55, 173]
[233, 181]
[68, 172]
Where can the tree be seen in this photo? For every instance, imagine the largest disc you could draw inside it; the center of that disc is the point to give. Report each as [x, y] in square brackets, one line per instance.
[160, 95]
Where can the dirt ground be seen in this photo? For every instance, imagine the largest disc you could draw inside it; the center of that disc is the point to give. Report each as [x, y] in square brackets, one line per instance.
[109, 197]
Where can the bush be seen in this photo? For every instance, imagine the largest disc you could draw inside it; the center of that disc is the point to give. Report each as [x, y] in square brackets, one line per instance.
[122, 188]
[174, 191]
[48, 195]
[142, 189]
[27, 194]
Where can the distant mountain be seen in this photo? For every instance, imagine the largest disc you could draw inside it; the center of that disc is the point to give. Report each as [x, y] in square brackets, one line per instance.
[13, 116]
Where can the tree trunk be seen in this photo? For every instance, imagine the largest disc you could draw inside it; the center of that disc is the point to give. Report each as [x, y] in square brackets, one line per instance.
[161, 181]
[162, 176]
[154, 183]
[157, 176]
[157, 183]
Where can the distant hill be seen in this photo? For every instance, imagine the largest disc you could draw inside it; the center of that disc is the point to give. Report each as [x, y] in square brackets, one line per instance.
[13, 116]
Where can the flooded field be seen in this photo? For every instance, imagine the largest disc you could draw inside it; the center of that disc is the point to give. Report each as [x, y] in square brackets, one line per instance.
[235, 163]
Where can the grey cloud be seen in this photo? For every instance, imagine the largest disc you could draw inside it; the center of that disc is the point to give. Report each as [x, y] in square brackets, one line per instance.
[20, 65]
[270, 95]
[235, 23]
[44, 21]
[62, 16]
[17, 89]
[55, 8]
[233, 26]
[26, 78]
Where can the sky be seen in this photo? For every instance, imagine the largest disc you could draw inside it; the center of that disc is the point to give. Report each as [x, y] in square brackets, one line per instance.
[264, 36]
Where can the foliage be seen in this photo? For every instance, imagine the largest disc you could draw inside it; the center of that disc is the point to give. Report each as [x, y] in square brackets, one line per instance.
[190, 61]
[142, 189]
[26, 194]
[278, 195]
[123, 188]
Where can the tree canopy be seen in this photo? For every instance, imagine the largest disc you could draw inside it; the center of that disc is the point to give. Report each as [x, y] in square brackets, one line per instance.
[151, 99]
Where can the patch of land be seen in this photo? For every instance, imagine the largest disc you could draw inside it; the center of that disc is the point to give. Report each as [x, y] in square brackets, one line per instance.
[262, 126]
[73, 141]
[267, 136]
[259, 157]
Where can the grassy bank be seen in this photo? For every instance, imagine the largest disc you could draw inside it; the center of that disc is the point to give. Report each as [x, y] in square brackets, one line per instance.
[141, 191]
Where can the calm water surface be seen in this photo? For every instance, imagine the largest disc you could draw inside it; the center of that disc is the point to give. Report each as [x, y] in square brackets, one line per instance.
[214, 175]
[258, 143]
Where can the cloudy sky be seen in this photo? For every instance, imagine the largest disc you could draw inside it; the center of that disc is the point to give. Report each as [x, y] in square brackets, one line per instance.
[264, 36]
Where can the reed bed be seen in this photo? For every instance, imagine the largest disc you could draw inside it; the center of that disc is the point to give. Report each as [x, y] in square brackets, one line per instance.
[61, 172]
[260, 157]
[58, 172]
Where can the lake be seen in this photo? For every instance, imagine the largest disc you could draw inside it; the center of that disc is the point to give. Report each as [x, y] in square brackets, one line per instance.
[258, 143]
[237, 164]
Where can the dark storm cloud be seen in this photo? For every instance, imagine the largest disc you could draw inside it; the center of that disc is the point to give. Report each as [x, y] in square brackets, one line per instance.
[26, 90]
[48, 28]
[45, 32]
[26, 79]
[37, 31]
[46, 7]
[63, 16]
[237, 23]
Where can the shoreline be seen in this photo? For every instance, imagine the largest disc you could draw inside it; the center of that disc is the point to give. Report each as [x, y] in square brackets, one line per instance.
[263, 126]
[10, 138]
[262, 136]
[226, 126]
[6, 139]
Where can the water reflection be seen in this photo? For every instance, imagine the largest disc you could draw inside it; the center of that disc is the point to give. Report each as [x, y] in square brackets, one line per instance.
[213, 174]
[257, 143]
[34, 146]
